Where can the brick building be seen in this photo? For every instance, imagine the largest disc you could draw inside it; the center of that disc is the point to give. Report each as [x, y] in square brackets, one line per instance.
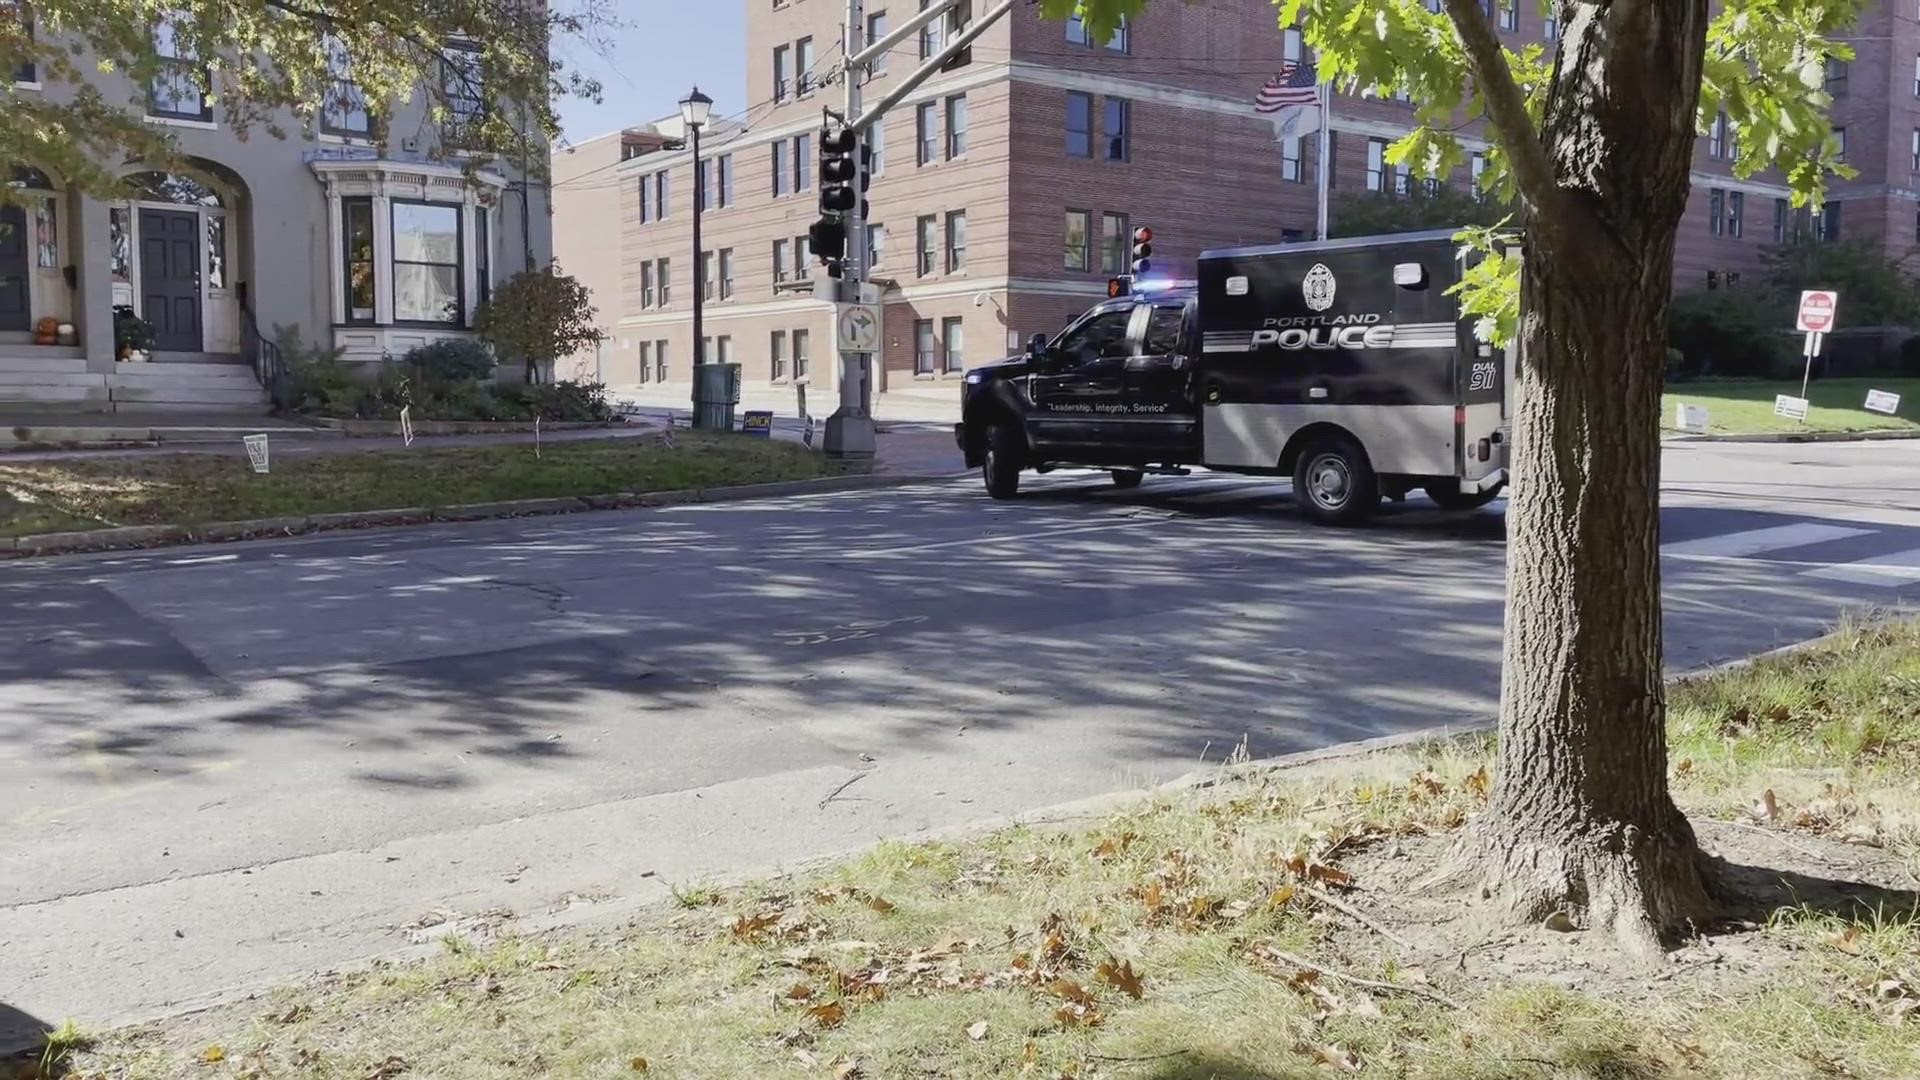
[1006, 189]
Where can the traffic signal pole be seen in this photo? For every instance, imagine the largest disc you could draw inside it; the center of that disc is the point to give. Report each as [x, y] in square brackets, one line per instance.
[850, 430]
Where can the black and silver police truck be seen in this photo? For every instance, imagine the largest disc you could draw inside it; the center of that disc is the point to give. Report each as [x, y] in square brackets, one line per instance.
[1344, 364]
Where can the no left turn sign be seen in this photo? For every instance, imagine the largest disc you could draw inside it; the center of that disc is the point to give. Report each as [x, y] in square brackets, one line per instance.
[1817, 307]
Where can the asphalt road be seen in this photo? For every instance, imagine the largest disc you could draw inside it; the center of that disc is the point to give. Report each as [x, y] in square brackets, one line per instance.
[228, 765]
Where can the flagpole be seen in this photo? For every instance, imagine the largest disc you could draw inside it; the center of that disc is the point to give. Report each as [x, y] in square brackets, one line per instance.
[1323, 160]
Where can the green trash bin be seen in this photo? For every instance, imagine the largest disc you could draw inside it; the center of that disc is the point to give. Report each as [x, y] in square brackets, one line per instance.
[716, 390]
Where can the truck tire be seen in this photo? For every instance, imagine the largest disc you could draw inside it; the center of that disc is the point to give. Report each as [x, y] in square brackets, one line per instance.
[1334, 483]
[1128, 478]
[1450, 497]
[1000, 466]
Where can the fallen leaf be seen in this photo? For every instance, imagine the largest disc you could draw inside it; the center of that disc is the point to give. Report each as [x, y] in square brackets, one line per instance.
[878, 904]
[1766, 807]
[1466, 1040]
[1848, 941]
[638, 1064]
[1479, 783]
[213, 1055]
[1071, 990]
[1683, 766]
[1281, 896]
[1335, 1056]
[799, 992]
[1075, 1014]
[1154, 900]
[977, 1031]
[1122, 978]
[1780, 714]
[829, 1015]
[805, 1057]
[847, 1070]
[387, 1069]
[1329, 875]
[749, 926]
[293, 1015]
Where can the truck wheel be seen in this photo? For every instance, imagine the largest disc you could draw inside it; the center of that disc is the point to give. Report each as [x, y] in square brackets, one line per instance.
[1334, 483]
[1127, 478]
[1450, 497]
[1000, 468]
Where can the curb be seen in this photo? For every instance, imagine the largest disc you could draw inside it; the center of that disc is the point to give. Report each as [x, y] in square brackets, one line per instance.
[146, 536]
[375, 428]
[1798, 437]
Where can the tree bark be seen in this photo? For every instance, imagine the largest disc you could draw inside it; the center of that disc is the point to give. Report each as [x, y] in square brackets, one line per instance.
[1581, 820]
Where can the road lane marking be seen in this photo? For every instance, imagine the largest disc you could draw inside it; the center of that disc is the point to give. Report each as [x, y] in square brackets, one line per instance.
[1889, 571]
[42, 815]
[1755, 541]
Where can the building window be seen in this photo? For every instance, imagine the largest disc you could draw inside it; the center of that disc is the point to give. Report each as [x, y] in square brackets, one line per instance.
[177, 91]
[877, 29]
[483, 252]
[665, 276]
[646, 284]
[876, 244]
[1717, 137]
[780, 73]
[726, 273]
[426, 262]
[953, 342]
[779, 261]
[800, 354]
[1840, 144]
[1836, 76]
[1122, 39]
[1291, 167]
[120, 242]
[344, 113]
[464, 86]
[26, 72]
[660, 360]
[1119, 123]
[923, 347]
[956, 241]
[725, 344]
[723, 180]
[926, 126]
[1716, 210]
[1077, 31]
[646, 361]
[803, 67]
[662, 186]
[1376, 164]
[1510, 16]
[930, 36]
[646, 199]
[1736, 214]
[956, 126]
[356, 220]
[1916, 150]
[1079, 125]
[709, 283]
[1116, 244]
[1549, 31]
[1781, 211]
[802, 163]
[924, 243]
[1916, 76]
[1827, 227]
[777, 351]
[802, 258]
[1477, 169]
[1079, 240]
[877, 149]
[782, 170]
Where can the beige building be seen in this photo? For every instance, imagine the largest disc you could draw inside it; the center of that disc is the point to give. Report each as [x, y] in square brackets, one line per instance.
[1004, 195]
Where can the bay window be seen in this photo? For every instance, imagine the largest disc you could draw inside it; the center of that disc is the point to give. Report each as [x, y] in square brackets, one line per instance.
[426, 263]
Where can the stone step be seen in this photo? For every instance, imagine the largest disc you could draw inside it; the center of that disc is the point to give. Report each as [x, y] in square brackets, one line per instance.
[226, 359]
[173, 395]
[11, 361]
[197, 408]
[185, 371]
[87, 398]
[44, 352]
[43, 378]
[153, 380]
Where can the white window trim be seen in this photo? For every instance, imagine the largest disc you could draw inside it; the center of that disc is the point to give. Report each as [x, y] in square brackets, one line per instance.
[181, 122]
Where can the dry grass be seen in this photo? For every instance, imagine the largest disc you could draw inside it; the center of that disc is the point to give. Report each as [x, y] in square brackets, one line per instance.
[1158, 945]
[192, 489]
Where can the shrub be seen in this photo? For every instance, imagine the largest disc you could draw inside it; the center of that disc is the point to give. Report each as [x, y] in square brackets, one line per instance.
[1730, 332]
[538, 316]
[1910, 356]
[1678, 368]
[131, 333]
[568, 401]
[451, 360]
[317, 382]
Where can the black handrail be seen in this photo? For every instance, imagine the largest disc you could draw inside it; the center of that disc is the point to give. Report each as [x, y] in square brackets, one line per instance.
[269, 363]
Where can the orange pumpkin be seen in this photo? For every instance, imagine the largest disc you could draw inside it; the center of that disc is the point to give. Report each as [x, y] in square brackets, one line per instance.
[46, 331]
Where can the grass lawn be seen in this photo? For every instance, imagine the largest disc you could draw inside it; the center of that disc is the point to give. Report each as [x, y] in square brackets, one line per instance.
[187, 489]
[1745, 406]
[1205, 934]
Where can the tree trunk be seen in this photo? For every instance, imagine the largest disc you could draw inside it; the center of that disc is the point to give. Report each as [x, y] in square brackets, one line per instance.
[1581, 820]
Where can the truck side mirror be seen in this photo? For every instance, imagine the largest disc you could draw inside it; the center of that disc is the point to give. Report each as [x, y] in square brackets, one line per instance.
[1037, 346]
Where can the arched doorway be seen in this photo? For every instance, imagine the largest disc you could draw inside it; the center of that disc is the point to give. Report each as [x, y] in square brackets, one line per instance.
[173, 238]
[31, 242]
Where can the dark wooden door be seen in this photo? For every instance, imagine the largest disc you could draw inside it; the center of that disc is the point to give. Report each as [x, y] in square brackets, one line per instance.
[170, 278]
[14, 256]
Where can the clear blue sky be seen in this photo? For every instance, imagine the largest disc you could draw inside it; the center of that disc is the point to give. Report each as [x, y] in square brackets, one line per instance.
[661, 50]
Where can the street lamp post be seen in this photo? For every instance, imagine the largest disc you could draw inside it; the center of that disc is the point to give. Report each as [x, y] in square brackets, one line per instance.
[694, 111]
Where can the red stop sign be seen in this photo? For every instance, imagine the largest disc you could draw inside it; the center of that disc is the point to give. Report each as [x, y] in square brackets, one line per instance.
[1816, 311]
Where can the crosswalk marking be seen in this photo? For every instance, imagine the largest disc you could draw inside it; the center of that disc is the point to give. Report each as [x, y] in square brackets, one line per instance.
[1899, 568]
[1756, 541]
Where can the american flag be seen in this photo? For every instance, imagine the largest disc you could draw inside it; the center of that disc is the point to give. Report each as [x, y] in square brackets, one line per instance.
[1295, 85]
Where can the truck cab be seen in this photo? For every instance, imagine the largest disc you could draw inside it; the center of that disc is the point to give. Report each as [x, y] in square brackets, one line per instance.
[1346, 365]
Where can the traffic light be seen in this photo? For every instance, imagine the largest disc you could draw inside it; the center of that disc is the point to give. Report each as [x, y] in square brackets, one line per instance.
[1116, 287]
[843, 183]
[1142, 251]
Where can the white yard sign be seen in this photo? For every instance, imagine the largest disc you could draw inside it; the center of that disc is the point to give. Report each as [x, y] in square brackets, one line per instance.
[1793, 408]
[257, 452]
[406, 425]
[1881, 401]
[1691, 418]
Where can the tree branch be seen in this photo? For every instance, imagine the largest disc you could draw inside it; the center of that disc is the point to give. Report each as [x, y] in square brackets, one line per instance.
[1506, 107]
